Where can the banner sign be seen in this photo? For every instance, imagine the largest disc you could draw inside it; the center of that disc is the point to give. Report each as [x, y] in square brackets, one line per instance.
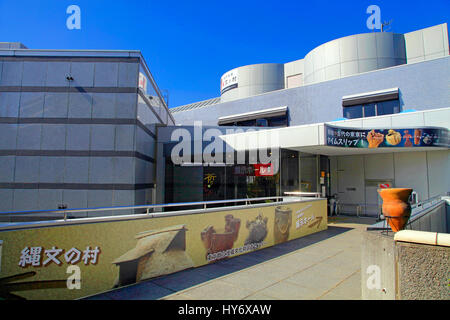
[262, 170]
[254, 170]
[229, 81]
[142, 82]
[74, 261]
[386, 138]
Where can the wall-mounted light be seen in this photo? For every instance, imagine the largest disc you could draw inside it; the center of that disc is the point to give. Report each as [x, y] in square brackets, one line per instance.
[69, 77]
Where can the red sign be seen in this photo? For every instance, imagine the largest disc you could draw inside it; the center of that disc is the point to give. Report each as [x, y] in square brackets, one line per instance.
[384, 185]
[263, 169]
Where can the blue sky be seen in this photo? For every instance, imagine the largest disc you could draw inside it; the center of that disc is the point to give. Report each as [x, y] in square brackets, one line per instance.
[188, 45]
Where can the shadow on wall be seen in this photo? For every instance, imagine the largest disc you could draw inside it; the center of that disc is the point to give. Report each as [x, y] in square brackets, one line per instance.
[162, 286]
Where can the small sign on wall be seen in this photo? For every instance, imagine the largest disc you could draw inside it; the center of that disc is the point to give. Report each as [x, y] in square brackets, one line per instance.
[229, 81]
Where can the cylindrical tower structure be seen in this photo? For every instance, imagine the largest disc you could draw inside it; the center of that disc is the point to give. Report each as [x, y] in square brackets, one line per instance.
[251, 80]
[354, 54]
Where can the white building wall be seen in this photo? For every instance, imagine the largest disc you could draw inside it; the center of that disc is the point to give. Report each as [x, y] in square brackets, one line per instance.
[256, 79]
[411, 172]
[354, 54]
[438, 172]
[427, 172]
[428, 43]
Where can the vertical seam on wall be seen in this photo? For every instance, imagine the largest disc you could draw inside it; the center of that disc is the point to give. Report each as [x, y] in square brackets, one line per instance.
[376, 50]
[364, 182]
[428, 178]
[65, 136]
[396, 273]
[393, 169]
[423, 44]
[357, 52]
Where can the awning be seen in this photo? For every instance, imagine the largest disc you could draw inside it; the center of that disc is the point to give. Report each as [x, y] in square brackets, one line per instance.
[266, 113]
[368, 97]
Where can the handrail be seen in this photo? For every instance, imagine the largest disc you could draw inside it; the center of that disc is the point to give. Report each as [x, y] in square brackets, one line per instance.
[426, 203]
[204, 204]
[418, 211]
[298, 193]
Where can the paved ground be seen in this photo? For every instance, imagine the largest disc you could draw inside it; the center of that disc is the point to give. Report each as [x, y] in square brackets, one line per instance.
[325, 265]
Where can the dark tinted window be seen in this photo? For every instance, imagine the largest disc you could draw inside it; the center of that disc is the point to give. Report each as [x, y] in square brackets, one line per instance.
[262, 123]
[369, 110]
[280, 121]
[372, 109]
[248, 123]
[353, 112]
[388, 107]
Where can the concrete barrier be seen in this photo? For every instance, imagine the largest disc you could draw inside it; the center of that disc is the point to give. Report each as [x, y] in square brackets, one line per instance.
[408, 266]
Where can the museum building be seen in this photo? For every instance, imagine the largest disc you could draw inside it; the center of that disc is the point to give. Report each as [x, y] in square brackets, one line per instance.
[85, 129]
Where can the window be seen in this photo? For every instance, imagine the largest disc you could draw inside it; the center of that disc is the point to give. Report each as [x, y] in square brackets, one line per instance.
[372, 109]
[273, 117]
[262, 123]
[279, 121]
[388, 107]
[369, 110]
[353, 112]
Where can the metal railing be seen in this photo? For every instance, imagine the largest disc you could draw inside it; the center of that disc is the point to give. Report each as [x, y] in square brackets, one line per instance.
[146, 210]
[418, 211]
[425, 204]
[361, 209]
[303, 194]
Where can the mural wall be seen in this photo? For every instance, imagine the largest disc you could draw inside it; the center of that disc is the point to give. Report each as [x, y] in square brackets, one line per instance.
[38, 263]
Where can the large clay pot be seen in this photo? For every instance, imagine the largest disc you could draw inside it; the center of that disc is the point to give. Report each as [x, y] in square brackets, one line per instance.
[283, 221]
[396, 207]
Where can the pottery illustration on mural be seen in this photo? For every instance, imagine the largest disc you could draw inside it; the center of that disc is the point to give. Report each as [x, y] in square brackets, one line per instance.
[257, 230]
[396, 208]
[157, 252]
[283, 222]
[221, 240]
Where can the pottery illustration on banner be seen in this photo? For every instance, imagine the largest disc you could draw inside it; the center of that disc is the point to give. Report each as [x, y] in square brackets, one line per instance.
[375, 139]
[221, 240]
[257, 230]
[283, 222]
[407, 138]
[393, 137]
[157, 252]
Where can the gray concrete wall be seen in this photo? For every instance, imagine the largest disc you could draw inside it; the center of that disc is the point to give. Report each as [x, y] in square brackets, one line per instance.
[378, 266]
[423, 271]
[407, 271]
[79, 142]
[434, 220]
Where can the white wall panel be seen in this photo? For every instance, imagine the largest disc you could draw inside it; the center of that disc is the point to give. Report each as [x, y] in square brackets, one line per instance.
[411, 172]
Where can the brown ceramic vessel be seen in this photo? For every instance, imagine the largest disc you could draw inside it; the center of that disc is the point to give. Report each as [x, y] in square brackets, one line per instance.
[396, 207]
